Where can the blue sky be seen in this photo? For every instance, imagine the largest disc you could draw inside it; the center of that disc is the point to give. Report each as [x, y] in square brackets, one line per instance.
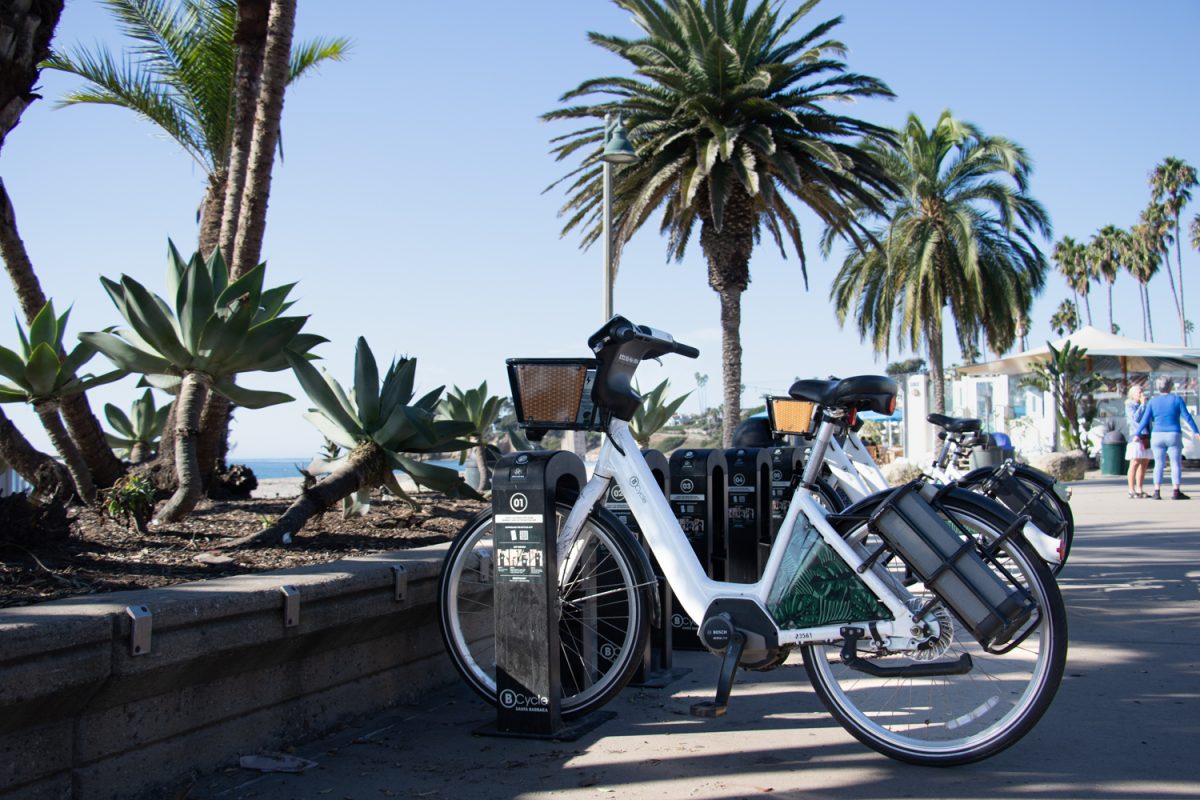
[409, 203]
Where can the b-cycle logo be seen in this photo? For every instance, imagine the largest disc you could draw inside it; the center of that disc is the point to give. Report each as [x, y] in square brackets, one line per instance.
[635, 483]
[608, 651]
[519, 700]
[739, 480]
[518, 502]
[686, 485]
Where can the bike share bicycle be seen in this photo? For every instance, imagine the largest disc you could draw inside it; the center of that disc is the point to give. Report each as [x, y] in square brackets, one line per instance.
[844, 472]
[927, 626]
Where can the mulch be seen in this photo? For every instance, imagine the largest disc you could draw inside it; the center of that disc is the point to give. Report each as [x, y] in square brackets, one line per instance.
[104, 555]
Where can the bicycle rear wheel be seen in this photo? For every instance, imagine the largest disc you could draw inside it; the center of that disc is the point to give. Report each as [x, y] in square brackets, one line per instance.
[603, 622]
[951, 719]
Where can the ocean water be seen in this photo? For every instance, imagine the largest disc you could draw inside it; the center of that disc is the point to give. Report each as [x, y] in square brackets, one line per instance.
[289, 467]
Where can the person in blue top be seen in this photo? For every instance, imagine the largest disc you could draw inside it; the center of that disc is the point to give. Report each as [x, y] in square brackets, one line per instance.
[1162, 420]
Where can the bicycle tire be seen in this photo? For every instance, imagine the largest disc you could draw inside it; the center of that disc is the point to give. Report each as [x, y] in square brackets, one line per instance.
[615, 560]
[1036, 481]
[951, 719]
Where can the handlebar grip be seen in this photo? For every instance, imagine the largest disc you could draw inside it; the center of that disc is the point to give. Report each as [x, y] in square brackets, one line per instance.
[686, 350]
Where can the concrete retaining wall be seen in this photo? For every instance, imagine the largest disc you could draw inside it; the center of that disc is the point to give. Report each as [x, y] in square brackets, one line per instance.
[81, 716]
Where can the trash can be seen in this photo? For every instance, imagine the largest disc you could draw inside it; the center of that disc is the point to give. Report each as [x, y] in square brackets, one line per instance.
[1112, 452]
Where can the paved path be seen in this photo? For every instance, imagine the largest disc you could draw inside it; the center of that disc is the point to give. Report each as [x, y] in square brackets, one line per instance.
[1125, 724]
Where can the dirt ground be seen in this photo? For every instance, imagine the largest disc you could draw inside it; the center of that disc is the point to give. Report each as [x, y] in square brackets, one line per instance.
[104, 555]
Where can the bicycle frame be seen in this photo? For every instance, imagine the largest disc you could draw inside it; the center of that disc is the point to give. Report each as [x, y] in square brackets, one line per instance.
[856, 472]
[621, 460]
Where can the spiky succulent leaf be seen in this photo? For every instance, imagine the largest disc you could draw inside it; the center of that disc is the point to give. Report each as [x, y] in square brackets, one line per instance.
[442, 479]
[331, 430]
[247, 288]
[218, 271]
[89, 382]
[12, 366]
[249, 398]
[300, 345]
[41, 371]
[126, 355]
[262, 345]
[44, 328]
[194, 302]
[223, 336]
[167, 383]
[176, 267]
[23, 338]
[152, 323]
[366, 384]
[398, 385]
[8, 395]
[429, 402]
[320, 393]
[121, 423]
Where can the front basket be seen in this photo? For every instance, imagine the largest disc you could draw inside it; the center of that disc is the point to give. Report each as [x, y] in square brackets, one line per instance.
[554, 393]
[790, 416]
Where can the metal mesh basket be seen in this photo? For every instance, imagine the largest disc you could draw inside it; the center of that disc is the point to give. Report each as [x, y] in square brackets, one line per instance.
[554, 393]
[789, 415]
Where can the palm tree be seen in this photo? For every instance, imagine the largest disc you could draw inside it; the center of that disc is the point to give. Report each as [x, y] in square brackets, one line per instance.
[1194, 230]
[1071, 259]
[1142, 261]
[20, 62]
[728, 112]
[198, 78]
[1172, 182]
[181, 80]
[1065, 319]
[960, 235]
[1107, 252]
[1157, 235]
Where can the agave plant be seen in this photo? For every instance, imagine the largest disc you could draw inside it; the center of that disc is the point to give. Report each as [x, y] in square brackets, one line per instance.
[41, 374]
[654, 413]
[478, 409]
[214, 330]
[138, 432]
[377, 423]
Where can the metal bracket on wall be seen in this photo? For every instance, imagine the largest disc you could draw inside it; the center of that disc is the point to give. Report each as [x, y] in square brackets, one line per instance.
[291, 606]
[401, 582]
[141, 624]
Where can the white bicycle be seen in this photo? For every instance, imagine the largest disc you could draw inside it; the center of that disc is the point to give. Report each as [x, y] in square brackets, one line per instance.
[927, 627]
[842, 471]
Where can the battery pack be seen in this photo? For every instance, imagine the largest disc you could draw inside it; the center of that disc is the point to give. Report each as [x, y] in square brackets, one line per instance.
[945, 557]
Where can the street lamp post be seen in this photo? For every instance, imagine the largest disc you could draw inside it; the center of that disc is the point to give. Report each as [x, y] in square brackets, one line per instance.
[617, 150]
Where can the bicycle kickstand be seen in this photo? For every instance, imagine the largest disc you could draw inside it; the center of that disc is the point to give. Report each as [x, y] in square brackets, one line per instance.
[729, 664]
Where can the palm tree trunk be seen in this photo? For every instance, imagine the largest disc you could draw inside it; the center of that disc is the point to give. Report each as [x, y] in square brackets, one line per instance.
[139, 453]
[81, 422]
[937, 372]
[1087, 302]
[252, 224]
[1179, 261]
[1110, 313]
[50, 479]
[47, 411]
[731, 362]
[1142, 301]
[363, 468]
[211, 212]
[26, 29]
[264, 39]
[1166, 260]
[250, 37]
[1149, 318]
[192, 391]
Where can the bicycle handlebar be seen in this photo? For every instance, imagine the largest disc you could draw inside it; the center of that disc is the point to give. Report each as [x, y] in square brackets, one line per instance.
[662, 343]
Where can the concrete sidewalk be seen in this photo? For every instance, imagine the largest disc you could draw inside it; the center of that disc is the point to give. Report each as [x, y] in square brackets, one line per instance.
[1125, 724]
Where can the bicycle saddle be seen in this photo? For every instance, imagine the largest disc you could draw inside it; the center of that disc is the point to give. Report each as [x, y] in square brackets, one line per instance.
[955, 424]
[864, 392]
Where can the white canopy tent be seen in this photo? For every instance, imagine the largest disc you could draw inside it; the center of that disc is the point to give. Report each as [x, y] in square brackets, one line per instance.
[1109, 352]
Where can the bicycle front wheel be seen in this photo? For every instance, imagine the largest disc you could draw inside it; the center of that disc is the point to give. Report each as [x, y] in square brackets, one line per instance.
[603, 623]
[952, 719]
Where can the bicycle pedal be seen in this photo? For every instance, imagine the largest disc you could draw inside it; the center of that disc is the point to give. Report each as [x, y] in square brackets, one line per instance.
[709, 709]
